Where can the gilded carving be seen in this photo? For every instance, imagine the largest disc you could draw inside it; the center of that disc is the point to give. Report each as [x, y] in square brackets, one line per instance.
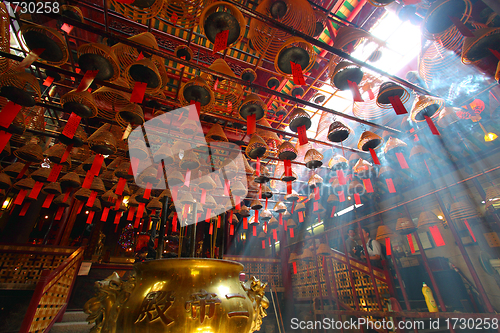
[104, 308]
[155, 305]
[256, 292]
[200, 301]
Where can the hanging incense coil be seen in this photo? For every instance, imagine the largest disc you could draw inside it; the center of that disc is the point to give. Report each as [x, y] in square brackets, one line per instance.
[187, 12]
[31, 152]
[273, 223]
[100, 57]
[448, 116]
[80, 102]
[50, 40]
[385, 172]
[207, 183]
[314, 181]
[368, 109]
[338, 131]
[220, 16]
[264, 177]
[252, 105]
[280, 207]
[257, 148]
[21, 88]
[126, 190]
[97, 185]
[164, 153]
[462, 210]
[293, 197]
[395, 144]
[132, 201]
[175, 179]
[388, 90]
[15, 169]
[369, 140]
[296, 14]
[184, 52]
[197, 90]
[476, 48]
[380, 3]
[405, 226]
[56, 152]
[419, 151]
[256, 205]
[324, 250]
[300, 207]
[383, 232]
[291, 178]
[71, 179]
[244, 211]
[52, 188]
[216, 133]
[154, 204]
[102, 141]
[108, 199]
[313, 159]
[287, 151]
[346, 71]
[24, 184]
[72, 12]
[266, 192]
[427, 219]
[109, 101]
[79, 138]
[239, 190]
[294, 50]
[273, 83]
[281, 111]
[290, 223]
[96, 206]
[4, 37]
[338, 162]
[127, 54]
[18, 125]
[332, 199]
[437, 22]
[131, 114]
[272, 140]
[190, 161]
[5, 182]
[139, 10]
[225, 91]
[363, 169]
[355, 186]
[299, 117]
[266, 215]
[83, 194]
[146, 71]
[59, 201]
[138, 149]
[426, 106]
[248, 75]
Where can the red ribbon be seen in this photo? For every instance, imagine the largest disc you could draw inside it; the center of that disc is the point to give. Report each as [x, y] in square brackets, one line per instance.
[402, 161]
[288, 168]
[218, 222]
[8, 113]
[131, 213]
[221, 41]
[120, 186]
[4, 139]
[368, 185]
[301, 217]
[87, 80]
[410, 242]
[231, 230]
[356, 95]
[294, 264]
[357, 199]
[388, 249]
[138, 92]
[340, 176]
[257, 167]
[90, 217]
[390, 185]
[288, 187]
[263, 244]
[174, 223]
[104, 215]
[301, 131]
[251, 124]
[341, 196]
[436, 235]
[187, 178]
[91, 200]
[291, 233]
[117, 217]
[470, 230]
[281, 218]
[333, 211]
[147, 191]
[462, 28]
[203, 196]
[48, 200]
[245, 223]
[433, 128]
[20, 197]
[397, 105]
[59, 213]
[374, 156]
[25, 208]
[298, 76]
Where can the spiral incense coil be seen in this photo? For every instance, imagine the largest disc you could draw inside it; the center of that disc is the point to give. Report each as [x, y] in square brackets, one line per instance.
[21, 88]
[369, 140]
[448, 116]
[394, 143]
[338, 131]
[4, 37]
[197, 90]
[72, 12]
[95, 56]
[313, 159]
[272, 140]
[297, 14]
[299, 117]
[80, 102]
[344, 72]
[257, 147]
[324, 122]
[252, 105]
[109, 101]
[437, 21]
[39, 37]
[127, 54]
[426, 106]
[131, 114]
[248, 75]
[216, 133]
[30, 152]
[56, 152]
[102, 141]
[188, 12]
[476, 48]
[184, 52]
[226, 91]
[369, 109]
[294, 50]
[220, 16]
[287, 151]
[140, 10]
[380, 3]
[144, 70]
[79, 138]
[390, 89]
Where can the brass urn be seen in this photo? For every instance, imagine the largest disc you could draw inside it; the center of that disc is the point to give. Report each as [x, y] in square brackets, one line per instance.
[179, 296]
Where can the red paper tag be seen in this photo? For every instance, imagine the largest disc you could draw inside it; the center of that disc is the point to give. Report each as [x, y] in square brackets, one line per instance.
[230, 216]
[340, 176]
[118, 216]
[291, 234]
[275, 235]
[120, 186]
[93, 196]
[390, 185]
[87, 80]
[298, 77]
[254, 230]
[301, 131]
[48, 81]
[263, 244]
[226, 187]
[79, 207]
[24, 209]
[410, 242]
[368, 185]
[333, 211]
[174, 18]
[174, 223]
[470, 230]
[23, 170]
[357, 199]
[96, 164]
[436, 235]
[374, 156]
[90, 217]
[20, 197]
[29, 59]
[207, 217]
[245, 223]
[216, 84]
[87, 182]
[203, 196]
[48, 200]
[147, 191]
[221, 41]
[266, 204]
[341, 196]
[211, 229]
[301, 217]
[259, 194]
[138, 92]
[65, 155]
[257, 167]
[462, 28]
[231, 230]
[71, 126]
[356, 95]
[402, 161]
[4, 138]
[288, 187]
[140, 210]
[35, 190]
[67, 28]
[316, 194]
[397, 105]
[433, 128]
[251, 124]
[315, 206]
[218, 221]
[256, 217]
[370, 94]
[59, 213]
[8, 113]
[104, 215]
[388, 249]
[118, 202]
[237, 202]
[288, 168]
[131, 213]
[495, 53]
[187, 178]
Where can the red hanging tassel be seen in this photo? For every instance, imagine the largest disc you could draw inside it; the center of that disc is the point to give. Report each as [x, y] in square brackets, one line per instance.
[174, 223]
[397, 105]
[231, 230]
[227, 186]
[69, 129]
[25, 208]
[368, 185]
[298, 76]
[410, 242]
[8, 113]
[147, 191]
[390, 185]
[90, 217]
[281, 218]
[211, 229]
[462, 28]
[48, 201]
[436, 235]
[131, 213]
[433, 128]
[371, 95]
[263, 244]
[288, 168]
[388, 250]
[333, 211]
[301, 217]
[80, 206]
[245, 223]
[288, 187]
[104, 215]
[237, 202]
[209, 213]
[470, 230]
[374, 156]
[402, 161]
[218, 222]
[54, 173]
[138, 92]
[118, 216]
[221, 41]
[275, 235]
[340, 176]
[120, 186]
[4, 138]
[357, 199]
[251, 124]
[356, 95]
[91, 200]
[20, 197]
[59, 213]
[35, 190]
[291, 233]
[254, 230]
[301, 131]
[203, 196]
[257, 167]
